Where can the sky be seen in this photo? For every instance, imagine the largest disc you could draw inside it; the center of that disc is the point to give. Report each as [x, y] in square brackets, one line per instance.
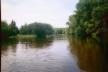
[54, 12]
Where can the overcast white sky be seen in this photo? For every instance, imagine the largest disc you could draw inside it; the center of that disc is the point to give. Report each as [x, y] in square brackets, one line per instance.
[54, 12]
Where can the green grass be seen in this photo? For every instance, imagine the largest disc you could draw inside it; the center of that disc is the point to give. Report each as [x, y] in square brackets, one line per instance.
[29, 36]
[25, 36]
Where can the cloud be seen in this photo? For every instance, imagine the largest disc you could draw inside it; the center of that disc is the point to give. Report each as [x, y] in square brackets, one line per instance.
[54, 12]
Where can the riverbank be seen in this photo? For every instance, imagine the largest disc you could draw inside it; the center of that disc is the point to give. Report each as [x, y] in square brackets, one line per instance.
[25, 36]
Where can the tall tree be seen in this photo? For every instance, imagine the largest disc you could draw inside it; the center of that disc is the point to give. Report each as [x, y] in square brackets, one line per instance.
[5, 31]
[13, 28]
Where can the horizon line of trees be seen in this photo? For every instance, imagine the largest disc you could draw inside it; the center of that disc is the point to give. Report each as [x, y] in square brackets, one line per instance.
[36, 28]
[41, 30]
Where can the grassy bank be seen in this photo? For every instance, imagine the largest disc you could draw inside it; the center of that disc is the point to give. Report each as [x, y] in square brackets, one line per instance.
[25, 36]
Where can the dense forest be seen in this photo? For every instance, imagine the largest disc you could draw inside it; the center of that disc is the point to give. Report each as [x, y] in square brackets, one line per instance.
[90, 19]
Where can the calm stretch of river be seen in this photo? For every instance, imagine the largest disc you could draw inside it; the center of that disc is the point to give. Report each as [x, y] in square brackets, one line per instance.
[52, 55]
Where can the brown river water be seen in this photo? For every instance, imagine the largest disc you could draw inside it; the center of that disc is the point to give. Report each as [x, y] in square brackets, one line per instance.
[53, 55]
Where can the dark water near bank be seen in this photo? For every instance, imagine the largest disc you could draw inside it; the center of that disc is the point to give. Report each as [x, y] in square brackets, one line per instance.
[53, 55]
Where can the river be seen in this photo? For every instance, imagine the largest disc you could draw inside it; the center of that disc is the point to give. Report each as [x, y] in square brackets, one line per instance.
[52, 55]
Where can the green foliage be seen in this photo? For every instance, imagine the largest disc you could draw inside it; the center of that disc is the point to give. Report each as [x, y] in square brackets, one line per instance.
[8, 30]
[5, 29]
[60, 31]
[41, 30]
[25, 30]
[88, 18]
[13, 29]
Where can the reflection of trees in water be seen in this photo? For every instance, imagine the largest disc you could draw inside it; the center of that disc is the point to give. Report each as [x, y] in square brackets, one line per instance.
[8, 44]
[91, 56]
[60, 37]
[11, 44]
[104, 45]
[37, 43]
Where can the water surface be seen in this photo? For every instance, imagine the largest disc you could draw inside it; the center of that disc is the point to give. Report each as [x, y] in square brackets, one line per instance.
[38, 56]
[52, 55]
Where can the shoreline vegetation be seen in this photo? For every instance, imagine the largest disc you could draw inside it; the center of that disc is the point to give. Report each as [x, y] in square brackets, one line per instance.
[32, 30]
[31, 36]
[25, 36]
[89, 21]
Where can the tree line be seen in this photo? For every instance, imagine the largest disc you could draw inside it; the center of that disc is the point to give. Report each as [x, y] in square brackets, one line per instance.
[60, 30]
[41, 30]
[89, 19]
[8, 30]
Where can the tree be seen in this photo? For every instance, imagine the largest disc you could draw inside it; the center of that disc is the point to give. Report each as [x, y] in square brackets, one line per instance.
[41, 30]
[60, 30]
[8, 30]
[13, 28]
[5, 31]
[87, 20]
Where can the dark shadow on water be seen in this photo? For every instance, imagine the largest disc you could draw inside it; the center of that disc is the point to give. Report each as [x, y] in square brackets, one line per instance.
[104, 46]
[92, 56]
[37, 42]
[8, 44]
[12, 43]
[9, 41]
